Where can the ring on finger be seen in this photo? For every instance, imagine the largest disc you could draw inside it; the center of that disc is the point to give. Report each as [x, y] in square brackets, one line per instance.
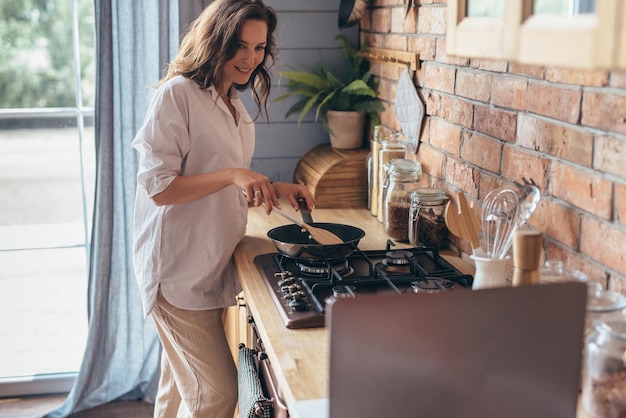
[256, 192]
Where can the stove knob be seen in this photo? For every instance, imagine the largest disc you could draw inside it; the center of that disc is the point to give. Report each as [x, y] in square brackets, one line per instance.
[291, 288]
[297, 300]
[286, 281]
[283, 274]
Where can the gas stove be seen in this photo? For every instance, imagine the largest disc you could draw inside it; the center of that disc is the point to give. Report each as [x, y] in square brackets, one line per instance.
[303, 289]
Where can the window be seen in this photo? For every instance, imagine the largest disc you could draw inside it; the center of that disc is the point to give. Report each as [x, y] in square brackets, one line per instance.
[47, 89]
[568, 33]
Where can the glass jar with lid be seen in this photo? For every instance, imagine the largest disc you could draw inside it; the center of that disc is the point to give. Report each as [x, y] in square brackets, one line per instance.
[403, 177]
[604, 373]
[427, 224]
[394, 147]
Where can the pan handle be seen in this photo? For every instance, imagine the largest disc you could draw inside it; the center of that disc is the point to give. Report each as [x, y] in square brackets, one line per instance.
[306, 215]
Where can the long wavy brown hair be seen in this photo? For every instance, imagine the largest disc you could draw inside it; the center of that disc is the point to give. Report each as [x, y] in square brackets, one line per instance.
[211, 41]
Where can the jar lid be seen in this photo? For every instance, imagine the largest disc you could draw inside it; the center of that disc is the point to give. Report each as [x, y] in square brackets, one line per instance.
[403, 166]
[614, 324]
[603, 301]
[429, 196]
[554, 272]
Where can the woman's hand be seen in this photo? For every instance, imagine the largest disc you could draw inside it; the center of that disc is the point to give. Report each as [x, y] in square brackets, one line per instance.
[292, 192]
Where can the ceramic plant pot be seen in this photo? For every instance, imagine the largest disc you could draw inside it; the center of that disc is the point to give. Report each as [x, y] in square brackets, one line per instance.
[346, 129]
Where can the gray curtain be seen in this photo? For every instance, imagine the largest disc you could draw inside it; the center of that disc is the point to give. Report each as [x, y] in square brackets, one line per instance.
[134, 42]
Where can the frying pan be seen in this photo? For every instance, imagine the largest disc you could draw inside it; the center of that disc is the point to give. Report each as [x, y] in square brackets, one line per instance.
[291, 241]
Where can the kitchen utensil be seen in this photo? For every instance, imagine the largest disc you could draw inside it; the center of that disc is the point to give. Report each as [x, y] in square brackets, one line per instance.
[290, 241]
[498, 215]
[321, 235]
[463, 221]
[529, 196]
[409, 109]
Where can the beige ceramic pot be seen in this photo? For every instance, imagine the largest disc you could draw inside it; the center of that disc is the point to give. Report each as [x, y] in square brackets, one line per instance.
[346, 129]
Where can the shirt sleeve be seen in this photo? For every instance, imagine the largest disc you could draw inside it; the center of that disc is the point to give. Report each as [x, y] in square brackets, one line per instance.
[163, 140]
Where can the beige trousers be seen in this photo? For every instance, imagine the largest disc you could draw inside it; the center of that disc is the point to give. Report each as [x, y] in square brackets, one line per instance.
[198, 374]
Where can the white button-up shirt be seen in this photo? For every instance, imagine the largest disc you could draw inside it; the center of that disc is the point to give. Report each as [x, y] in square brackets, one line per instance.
[187, 249]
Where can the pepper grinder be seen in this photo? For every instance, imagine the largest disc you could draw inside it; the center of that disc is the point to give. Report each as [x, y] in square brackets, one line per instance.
[527, 251]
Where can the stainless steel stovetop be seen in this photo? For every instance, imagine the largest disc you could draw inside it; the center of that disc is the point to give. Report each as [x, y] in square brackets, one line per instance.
[301, 289]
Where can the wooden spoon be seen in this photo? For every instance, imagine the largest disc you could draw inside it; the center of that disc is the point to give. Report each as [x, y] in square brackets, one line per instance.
[320, 235]
[463, 222]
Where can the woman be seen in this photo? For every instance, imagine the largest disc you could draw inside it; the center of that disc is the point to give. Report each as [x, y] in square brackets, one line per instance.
[194, 188]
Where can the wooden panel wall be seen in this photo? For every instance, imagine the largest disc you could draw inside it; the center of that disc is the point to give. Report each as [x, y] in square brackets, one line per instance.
[306, 35]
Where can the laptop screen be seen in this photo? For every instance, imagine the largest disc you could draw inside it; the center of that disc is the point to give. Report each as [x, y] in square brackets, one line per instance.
[500, 352]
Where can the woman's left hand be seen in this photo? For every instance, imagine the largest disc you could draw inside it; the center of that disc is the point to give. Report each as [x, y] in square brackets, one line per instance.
[292, 192]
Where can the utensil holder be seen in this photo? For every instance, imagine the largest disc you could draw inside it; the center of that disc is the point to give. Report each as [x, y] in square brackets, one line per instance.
[490, 272]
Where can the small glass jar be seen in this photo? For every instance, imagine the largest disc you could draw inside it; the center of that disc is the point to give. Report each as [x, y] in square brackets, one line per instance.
[393, 148]
[553, 271]
[403, 177]
[381, 134]
[604, 374]
[427, 224]
[601, 304]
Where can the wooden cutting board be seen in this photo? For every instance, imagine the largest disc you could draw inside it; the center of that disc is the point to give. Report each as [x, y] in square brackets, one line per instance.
[336, 177]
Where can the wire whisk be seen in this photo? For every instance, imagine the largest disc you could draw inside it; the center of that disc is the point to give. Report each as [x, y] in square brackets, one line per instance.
[498, 222]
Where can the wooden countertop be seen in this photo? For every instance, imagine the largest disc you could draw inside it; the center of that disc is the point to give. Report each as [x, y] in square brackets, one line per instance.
[300, 356]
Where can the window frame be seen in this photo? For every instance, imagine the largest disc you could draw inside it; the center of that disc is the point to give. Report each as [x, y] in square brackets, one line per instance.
[582, 41]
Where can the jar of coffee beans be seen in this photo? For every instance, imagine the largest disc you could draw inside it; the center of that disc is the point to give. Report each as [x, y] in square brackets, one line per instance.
[604, 374]
[427, 225]
[402, 177]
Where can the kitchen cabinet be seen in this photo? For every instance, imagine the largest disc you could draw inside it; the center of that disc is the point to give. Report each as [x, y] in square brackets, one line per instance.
[236, 325]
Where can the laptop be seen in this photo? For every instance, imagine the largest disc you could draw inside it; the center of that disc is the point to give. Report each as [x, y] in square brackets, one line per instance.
[499, 352]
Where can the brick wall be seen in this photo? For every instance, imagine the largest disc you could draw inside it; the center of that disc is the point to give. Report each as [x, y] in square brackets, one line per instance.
[489, 123]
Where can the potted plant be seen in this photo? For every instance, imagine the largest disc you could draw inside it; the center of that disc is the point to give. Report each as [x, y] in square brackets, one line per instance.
[341, 102]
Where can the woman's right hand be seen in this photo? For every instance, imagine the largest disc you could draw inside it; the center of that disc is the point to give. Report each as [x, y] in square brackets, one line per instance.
[257, 188]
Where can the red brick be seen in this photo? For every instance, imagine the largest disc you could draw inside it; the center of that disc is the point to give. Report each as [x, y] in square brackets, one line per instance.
[571, 144]
[596, 78]
[489, 182]
[482, 151]
[424, 46]
[612, 117]
[618, 79]
[397, 42]
[526, 135]
[442, 57]
[494, 122]
[604, 243]
[557, 222]
[432, 20]
[445, 135]
[610, 155]
[462, 176]
[381, 20]
[559, 102]
[518, 163]
[457, 110]
[433, 103]
[509, 92]
[530, 70]
[496, 66]
[401, 21]
[620, 203]
[473, 85]
[439, 77]
[433, 161]
[586, 190]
